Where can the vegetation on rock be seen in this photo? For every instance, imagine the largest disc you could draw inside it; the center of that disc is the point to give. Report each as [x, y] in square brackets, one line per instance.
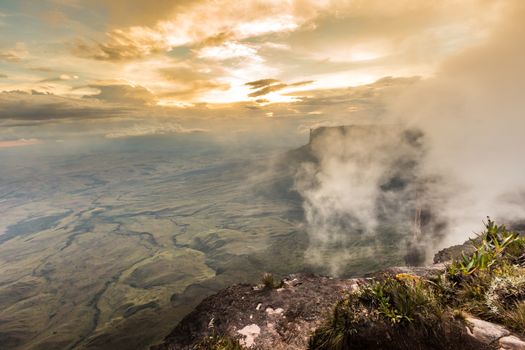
[488, 283]
[491, 282]
[218, 342]
[269, 282]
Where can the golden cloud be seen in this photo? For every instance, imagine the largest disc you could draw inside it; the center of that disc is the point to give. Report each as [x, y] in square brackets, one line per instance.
[223, 21]
[16, 54]
[266, 86]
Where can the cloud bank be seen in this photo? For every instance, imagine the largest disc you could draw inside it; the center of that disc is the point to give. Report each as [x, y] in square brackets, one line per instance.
[472, 113]
[470, 116]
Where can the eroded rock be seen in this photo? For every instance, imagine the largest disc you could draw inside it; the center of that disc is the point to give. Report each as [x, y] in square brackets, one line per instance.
[484, 331]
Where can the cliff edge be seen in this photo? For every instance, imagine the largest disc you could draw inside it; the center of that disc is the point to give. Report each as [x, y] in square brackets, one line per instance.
[432, 307]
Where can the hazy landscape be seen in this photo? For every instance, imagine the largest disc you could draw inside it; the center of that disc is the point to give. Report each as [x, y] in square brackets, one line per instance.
[152, 155]
[113, 239]
[120, 242]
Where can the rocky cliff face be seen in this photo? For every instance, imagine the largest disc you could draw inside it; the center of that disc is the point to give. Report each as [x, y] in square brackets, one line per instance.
[262, 318]
[286, 317]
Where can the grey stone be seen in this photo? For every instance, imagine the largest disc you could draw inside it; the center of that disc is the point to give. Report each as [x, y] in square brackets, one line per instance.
[484, 331]
[511, 343]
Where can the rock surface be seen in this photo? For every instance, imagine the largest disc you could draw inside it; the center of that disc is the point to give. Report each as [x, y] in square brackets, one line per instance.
[487, 332]
[511, 343]
[263, 318]
[285, 318]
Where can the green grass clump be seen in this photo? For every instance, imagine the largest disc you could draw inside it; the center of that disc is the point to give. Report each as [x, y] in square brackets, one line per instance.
[218, 342]
[405, 298]
[269, 281]
[405, 302]
[515, 316]
[341, 326]
[489, 283]
[494, 246]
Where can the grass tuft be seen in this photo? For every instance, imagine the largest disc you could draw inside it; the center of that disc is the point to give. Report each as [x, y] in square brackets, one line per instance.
[340, 327]
[515, 317]
[269, 281]
[218, 342]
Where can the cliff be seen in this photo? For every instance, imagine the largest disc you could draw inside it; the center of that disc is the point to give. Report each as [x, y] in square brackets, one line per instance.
[471, 297]
[305, 311]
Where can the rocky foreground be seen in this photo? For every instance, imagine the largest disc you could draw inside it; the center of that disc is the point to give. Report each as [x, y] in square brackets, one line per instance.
[263, 318]
[259, 317]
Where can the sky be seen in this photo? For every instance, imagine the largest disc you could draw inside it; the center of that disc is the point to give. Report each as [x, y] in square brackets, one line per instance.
[127, 68]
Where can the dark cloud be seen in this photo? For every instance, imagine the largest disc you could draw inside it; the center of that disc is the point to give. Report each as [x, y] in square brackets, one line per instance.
[21, 124]
[3, 76]
[217, 39]
[123, 94]
[140, 130]
[15, 92]
[261, 83]
[15, 54]
[35, 106]
[36, 92]
[10, 56]
[267, 89]
[265, 86]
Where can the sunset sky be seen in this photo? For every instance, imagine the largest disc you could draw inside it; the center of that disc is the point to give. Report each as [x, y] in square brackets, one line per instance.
[63, 62]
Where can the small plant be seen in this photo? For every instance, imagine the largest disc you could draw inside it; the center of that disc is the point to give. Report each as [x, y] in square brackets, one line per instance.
[405, 298]
[494, 245]
[470, 294]
[218, 342]
[489, 283]
[496, 237]
[505, 291]
[481, 259]
[403, 305]
[380, 295]
[342, 324]
[459, 315]
[515, 317]
[269, 281]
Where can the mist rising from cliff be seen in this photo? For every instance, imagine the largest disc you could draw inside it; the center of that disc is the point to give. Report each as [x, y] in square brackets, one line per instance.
[469, 165]
[473, 115]
[367, 198]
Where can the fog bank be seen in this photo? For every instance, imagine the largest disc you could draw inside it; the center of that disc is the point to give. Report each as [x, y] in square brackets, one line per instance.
[467, 164]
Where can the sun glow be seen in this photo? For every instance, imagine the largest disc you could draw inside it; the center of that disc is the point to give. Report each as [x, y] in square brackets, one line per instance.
[269, 25]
